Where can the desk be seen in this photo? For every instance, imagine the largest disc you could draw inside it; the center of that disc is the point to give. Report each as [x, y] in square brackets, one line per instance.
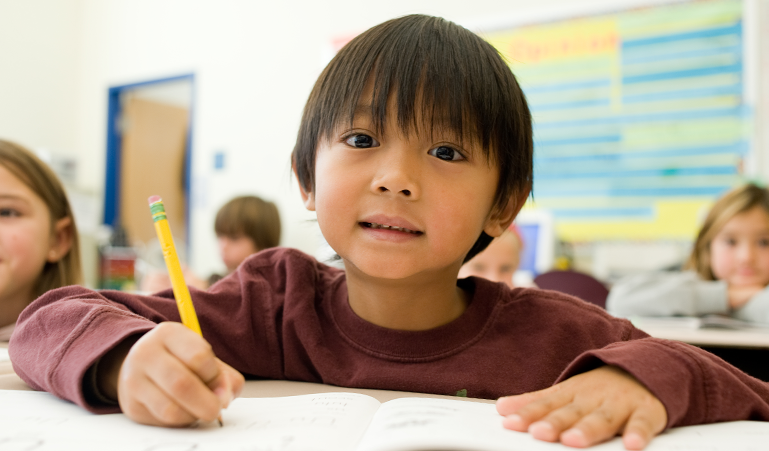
[747, 349]
[747, 338]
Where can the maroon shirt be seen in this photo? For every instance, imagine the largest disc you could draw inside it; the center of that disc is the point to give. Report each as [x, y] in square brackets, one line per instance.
[283, 315]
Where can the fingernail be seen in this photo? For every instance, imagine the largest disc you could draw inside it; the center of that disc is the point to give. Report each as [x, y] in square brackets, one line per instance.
[542, 430]
[633, 440]
[225, 397]
[514, 418]
[574, 437]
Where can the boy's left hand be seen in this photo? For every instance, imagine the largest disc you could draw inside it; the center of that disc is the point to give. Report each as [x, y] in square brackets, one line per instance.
[587, 409]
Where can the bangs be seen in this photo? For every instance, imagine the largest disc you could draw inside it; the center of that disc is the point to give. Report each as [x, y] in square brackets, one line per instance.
[230, 221]
[441, 78]
[436, 79]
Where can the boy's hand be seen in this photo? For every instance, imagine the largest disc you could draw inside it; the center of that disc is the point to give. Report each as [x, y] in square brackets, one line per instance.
[171, 377]
[587, 409]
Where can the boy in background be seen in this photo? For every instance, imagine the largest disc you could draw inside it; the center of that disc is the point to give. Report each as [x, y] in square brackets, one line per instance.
[245, 225]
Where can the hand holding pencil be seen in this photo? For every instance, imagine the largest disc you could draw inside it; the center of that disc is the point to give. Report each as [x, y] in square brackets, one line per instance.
[170, 376]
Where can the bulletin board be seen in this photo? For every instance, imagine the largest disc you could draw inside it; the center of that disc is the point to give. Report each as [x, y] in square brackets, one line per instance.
[640, 116]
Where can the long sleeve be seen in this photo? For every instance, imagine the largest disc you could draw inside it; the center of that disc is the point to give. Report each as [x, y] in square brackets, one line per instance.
[667, 294]
[695, 386]
[757, 309]
[61, 334]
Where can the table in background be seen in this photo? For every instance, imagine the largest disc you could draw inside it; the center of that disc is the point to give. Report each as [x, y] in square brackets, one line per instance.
[747, 349]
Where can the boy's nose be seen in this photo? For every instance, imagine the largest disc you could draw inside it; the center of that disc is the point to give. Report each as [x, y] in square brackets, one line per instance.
[398, 177]
[406, 192]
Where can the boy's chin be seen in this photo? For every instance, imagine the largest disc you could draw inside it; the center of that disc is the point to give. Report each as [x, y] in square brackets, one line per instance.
[385, 270]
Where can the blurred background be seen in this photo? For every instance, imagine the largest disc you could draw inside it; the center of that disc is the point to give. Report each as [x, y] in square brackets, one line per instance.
[645, 112]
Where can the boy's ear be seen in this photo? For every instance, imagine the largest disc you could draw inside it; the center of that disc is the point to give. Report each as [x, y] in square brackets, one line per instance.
[61, 239]
[499, 221]
[307, 196]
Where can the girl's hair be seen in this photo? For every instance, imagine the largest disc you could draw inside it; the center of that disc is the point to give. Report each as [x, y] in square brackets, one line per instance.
[250, 216]
[44, 183]
[736, 201]
[439, 75]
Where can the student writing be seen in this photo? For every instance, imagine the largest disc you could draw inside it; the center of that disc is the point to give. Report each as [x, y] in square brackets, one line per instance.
[727, 271]
[38, 238]
[414, 149]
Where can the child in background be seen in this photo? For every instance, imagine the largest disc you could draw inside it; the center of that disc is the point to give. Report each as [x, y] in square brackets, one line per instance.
[246, 225]
[499, 261]
[727, 272]
[415, 150]
[38, 238]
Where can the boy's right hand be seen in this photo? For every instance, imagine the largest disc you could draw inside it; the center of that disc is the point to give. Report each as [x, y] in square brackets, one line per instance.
[171, 377]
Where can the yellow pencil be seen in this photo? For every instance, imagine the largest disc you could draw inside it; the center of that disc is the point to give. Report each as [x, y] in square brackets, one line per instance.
[181, 292]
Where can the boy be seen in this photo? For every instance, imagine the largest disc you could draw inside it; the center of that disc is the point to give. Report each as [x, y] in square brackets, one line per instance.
[415, 149]
[246, 225]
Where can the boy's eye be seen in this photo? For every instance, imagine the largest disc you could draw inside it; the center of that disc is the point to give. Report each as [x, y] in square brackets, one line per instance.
[446, 153]
[361, 141]
[8, 212]
[763, 242]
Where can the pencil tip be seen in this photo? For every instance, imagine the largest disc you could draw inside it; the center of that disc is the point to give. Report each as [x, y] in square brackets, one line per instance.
[220, 422]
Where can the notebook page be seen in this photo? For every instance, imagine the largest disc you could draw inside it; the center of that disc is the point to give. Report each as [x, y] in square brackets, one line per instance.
[330, 421]
[412, 424]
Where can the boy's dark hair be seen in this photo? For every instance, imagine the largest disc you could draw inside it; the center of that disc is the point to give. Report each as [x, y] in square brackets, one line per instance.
[250, 216]
[459, 80]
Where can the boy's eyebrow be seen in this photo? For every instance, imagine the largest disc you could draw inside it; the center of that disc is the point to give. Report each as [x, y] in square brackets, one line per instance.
[363, 109]
[12, 197]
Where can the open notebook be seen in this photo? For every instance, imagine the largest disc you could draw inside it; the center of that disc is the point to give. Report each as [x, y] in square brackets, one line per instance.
[330, 421]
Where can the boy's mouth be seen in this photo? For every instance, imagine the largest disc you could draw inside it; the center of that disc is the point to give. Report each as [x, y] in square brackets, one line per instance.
[374, 225]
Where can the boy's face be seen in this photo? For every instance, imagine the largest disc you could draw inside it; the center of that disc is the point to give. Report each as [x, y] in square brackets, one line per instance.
[235, 249]
[395, 206]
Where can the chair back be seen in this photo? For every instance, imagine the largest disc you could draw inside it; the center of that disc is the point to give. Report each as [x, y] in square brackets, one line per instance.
[578, 284]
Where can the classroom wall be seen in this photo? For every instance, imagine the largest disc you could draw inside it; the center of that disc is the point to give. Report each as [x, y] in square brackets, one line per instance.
[255, 63]
[39, 60]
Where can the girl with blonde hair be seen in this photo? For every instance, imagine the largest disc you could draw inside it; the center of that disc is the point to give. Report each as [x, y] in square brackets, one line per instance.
[38, 239]
[727, 271]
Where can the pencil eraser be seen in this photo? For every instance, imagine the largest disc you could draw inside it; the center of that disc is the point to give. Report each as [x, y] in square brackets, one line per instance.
[154, 199]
